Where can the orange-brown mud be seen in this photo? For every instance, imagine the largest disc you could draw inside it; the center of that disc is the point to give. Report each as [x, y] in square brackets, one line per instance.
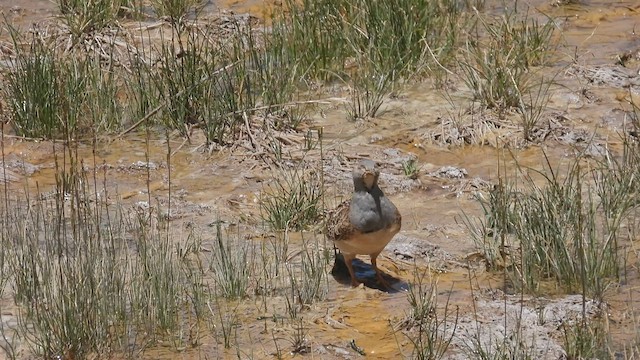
[228, 186]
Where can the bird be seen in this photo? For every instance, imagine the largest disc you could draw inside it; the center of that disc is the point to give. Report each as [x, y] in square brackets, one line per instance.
[366, 223]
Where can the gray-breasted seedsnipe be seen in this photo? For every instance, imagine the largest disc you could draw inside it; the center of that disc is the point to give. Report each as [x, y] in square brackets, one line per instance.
[365, 224]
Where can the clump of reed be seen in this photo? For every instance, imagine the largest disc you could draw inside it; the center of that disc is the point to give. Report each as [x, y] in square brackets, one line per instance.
[293, 200]
[52, 96]
[84, 17]
[371, 45]
[499, 62]
[566, 229]
[94, 277]
[428, 327]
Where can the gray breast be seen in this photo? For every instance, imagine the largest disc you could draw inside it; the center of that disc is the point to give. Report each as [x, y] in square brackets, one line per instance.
[371, 212]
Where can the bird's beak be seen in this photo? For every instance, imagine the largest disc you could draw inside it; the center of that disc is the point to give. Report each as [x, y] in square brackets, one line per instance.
[369, 179]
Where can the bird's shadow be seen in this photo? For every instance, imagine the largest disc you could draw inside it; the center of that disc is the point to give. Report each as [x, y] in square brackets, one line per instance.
[366, 275]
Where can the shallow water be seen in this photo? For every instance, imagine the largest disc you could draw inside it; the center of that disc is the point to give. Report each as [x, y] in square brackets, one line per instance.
[593, 33]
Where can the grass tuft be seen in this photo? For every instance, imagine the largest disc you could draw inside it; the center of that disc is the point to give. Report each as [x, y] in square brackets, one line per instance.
[429, 332]
[367, 95]
[497, 62]
[33, 90]
[230, 264]
[175, 11]
[586, 340]
[567, 229]
[53, 96]
[293, 200]
[411, 169]
[83, 17]
[308, 279]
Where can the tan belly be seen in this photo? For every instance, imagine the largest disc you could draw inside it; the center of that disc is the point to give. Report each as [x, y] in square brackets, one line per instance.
[367, 244]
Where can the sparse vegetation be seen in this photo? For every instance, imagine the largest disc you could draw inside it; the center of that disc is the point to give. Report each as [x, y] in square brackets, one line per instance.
[88, 273]
[499, 61]
[557, 231]
[175, 10]
[586, 340]
[293, 201]
[512, 346]
[411, 169]
[309, 284]
[428, 328]
[86, 289]
[231, 263]
[83, 17]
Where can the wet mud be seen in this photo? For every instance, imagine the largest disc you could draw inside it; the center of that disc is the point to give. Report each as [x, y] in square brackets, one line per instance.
[592, 97]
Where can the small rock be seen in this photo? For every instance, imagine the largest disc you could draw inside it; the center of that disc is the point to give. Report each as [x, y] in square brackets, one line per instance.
[375, 138]
[574, 136]
[393, 152]
[141, 205]
[397, 156]
[450, 172]
[141, 165]
[596, 150]
[19, 166]
[618, 118]
[395, 183]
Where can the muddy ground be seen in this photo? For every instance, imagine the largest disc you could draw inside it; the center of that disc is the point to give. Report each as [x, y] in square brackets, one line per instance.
[592, 96]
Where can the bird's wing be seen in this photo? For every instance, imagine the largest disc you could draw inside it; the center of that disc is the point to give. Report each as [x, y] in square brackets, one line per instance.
[338, 223]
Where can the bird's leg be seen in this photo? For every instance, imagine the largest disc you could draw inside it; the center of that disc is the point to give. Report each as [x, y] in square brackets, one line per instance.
[374, 263]
[348, 260]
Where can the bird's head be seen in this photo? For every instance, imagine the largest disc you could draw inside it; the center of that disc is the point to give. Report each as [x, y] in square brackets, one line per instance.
[366, 174]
